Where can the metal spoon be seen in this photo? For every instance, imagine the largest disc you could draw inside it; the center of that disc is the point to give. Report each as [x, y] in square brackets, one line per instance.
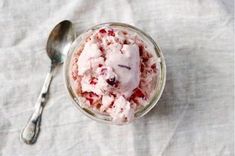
[58, 44]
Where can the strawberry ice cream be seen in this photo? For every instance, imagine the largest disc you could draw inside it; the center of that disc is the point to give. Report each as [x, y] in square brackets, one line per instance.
[114, 72]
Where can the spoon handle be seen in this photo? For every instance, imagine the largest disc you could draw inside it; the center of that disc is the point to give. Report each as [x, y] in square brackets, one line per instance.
[30, 132]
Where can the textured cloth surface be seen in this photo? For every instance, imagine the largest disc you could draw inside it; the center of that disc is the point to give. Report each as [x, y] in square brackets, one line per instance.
[195, 115]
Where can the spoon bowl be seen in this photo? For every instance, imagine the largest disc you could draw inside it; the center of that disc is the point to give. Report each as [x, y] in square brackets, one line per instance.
[59, 41]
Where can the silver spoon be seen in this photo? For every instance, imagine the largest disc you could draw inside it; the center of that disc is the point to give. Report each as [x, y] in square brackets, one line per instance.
[58, 44]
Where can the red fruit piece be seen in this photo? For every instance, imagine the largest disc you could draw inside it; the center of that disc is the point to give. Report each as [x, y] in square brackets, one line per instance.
[93, 81]
[111, 81]
[124, 32]
[111, 105]
[102, 31]
[90, 96]
[98, 105]
[100, 65]
[116, 84]
[125, 42]
[111, 33]
[103, 55]
[142, 67]
[141, 50]
[90, 100]
[102, 49]
[153, 66]
[138, 93]
[114, 95]
[145, 59]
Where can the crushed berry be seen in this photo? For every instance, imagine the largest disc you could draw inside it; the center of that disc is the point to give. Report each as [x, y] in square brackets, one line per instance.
[124, 32]
[93, 81]
[142, 67]
[154, 68]
[101, 49]
[116, 84]
[74, 77]
[114, 95]
[145, 59]
[102, 31]
[141, 50]
[103, 55]
[125, 42]
[98, 105]
[111, 33]
[90, 100]
[111, 81]
[89, 95]
[111, 105]
[138, 93]
[100, 65]
[134, 100]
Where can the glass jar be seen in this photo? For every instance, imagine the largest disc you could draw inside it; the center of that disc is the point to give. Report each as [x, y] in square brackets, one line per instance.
[159, 85]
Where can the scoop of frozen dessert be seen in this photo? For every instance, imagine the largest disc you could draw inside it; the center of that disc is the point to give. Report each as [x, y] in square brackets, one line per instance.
[89, 58]
[109, 69]
[126, 63]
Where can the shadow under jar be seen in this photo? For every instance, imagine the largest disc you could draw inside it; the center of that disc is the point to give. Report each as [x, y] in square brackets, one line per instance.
[114, 73]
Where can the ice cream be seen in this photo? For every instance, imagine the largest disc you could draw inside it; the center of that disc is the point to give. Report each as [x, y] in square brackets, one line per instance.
[114, 73]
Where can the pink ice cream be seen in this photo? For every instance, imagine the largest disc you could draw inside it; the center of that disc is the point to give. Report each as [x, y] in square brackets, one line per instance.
[113, 73]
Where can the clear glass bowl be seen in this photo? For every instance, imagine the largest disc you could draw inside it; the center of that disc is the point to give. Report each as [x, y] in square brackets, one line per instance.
[106, 118]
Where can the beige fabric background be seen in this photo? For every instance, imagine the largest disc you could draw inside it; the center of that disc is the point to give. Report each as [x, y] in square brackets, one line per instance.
[194, 117]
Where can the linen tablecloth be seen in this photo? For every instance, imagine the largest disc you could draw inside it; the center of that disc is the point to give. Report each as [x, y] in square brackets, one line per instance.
[195, 115]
